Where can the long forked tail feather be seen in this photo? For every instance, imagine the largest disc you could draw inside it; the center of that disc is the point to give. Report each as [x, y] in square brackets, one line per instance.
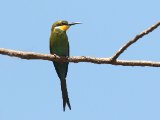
[65, 94]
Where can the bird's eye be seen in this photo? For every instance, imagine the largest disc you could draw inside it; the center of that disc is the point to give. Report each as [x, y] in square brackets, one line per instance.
[59, 24]
[64, 23]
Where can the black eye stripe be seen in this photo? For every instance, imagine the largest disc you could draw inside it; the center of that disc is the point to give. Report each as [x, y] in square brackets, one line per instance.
[64, 23]
[59, 23]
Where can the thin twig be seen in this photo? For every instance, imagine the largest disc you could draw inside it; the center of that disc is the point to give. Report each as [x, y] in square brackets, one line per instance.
[137, 37]
[38, 56]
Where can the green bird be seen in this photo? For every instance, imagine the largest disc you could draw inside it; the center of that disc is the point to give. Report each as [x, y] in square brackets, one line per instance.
[59, 45]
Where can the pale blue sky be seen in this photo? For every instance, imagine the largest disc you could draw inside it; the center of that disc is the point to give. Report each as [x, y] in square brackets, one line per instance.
[30, 89]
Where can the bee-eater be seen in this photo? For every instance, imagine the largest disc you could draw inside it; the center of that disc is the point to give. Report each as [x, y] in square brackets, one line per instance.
[59, 45]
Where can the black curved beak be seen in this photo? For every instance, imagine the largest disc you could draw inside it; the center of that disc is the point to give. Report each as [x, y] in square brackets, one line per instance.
[74, 23]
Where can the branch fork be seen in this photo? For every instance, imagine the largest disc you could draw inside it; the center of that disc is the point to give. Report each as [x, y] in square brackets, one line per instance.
[111, 60]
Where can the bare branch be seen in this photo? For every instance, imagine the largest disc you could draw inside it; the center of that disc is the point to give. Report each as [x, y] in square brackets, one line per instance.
[112, 60]
[137, 37]
[38, 56]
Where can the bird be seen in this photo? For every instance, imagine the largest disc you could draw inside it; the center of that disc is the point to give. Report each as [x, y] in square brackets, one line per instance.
[59, 45]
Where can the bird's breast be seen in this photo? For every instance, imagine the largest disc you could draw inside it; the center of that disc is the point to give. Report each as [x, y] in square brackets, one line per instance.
[59, 43]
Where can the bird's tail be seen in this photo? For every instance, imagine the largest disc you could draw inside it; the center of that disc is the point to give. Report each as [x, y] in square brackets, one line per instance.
[65, 94]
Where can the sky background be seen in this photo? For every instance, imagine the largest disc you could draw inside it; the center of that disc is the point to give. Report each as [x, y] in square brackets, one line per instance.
[30, 89]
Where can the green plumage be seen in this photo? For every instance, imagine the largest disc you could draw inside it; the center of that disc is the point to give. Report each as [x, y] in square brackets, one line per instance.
[59, 45]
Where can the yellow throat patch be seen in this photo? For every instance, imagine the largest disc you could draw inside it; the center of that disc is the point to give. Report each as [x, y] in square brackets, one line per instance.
[64, 27]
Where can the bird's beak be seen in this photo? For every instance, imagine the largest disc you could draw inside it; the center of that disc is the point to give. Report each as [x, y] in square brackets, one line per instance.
[74, 23]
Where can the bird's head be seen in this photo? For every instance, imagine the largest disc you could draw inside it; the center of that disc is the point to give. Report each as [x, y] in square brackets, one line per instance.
[63, 25]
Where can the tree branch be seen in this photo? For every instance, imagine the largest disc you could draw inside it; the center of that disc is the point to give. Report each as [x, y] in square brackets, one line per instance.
[112, 60]
[32, 56]
[135, 39]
